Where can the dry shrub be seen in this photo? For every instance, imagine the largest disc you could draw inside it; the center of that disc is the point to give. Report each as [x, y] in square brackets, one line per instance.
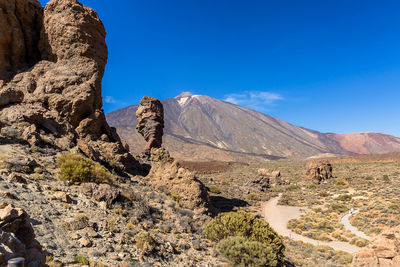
[78, 169]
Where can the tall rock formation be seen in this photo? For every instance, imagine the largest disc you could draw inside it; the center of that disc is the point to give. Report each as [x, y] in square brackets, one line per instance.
[52, 63]
[150, 122]
[319, 171]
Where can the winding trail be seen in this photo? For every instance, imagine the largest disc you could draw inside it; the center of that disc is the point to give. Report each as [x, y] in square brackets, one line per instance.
[278, 216]
[345, 221]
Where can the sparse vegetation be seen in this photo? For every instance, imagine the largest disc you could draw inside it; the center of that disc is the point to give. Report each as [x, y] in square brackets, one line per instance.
[145, 241]
[253, 196]
[214, 189]
[82, 260]
[78, 169]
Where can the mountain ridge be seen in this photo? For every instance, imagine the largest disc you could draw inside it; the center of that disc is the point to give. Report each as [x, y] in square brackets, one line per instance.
[198, 122]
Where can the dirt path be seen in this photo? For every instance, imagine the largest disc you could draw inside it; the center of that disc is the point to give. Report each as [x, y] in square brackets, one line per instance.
[345, 221]
[278, 216]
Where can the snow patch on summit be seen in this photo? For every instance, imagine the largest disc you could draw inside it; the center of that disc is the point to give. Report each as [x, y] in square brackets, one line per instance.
[182, 101]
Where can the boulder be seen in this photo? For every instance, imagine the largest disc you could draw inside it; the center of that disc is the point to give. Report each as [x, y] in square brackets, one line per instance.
[52, 61]
[382, 251]
[319, 171]
[150, 122]
[260, 184]
[17, 237]
[167, 176]
[275, 177]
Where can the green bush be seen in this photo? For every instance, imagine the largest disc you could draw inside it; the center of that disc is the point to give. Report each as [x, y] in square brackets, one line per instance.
[341, 182]
[78, 169]
[214, 189]
[243, 252]
[394, 207]
[344, 197]
[82, 260]
[339, 207]
[253, 196]
[145, 242]
[245, 225]
[311, 186]
[293, 187]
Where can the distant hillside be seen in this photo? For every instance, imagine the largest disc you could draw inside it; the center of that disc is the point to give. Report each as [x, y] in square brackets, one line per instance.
[367, 143]
[199, 127]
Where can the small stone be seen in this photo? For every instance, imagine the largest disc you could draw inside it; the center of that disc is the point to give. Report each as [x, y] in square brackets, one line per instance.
[75, 236]
[14, 177]
[85, 242]
[64, 197]
[92, 233]
[114, 257]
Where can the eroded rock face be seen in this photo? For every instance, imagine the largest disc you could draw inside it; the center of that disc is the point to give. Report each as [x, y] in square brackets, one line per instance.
[58, 101]
[17, 238]
[383, 250]
[150, 118]
[20, 26]
[319, 171]
[167, 176]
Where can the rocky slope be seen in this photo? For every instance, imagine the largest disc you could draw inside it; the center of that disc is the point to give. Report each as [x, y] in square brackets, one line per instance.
[103, 223]
[199, 127]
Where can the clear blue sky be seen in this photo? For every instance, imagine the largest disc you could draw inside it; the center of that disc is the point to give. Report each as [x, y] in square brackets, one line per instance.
[332, 65]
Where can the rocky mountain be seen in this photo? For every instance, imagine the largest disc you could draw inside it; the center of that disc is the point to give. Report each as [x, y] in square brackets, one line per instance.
[199, 127]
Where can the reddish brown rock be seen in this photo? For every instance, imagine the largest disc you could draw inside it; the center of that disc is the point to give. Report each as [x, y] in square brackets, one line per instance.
[166, 175]
[50, 86]
[319, 171]
[383, 251]
[150, 122]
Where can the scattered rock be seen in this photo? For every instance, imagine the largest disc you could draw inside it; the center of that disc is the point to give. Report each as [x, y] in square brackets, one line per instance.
[150, 122]
[64, 197]
[266, 180]
[85, 242]
[17, 178]
[318, 171]
[17, 237]
[74, 225]
[383, 250]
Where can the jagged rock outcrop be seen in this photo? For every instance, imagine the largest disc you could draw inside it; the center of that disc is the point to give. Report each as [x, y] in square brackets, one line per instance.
[265, 180]
[319, 171]
[150, 122]
[167, 176]
[57, 101]
[383, 251]
[17, 238]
